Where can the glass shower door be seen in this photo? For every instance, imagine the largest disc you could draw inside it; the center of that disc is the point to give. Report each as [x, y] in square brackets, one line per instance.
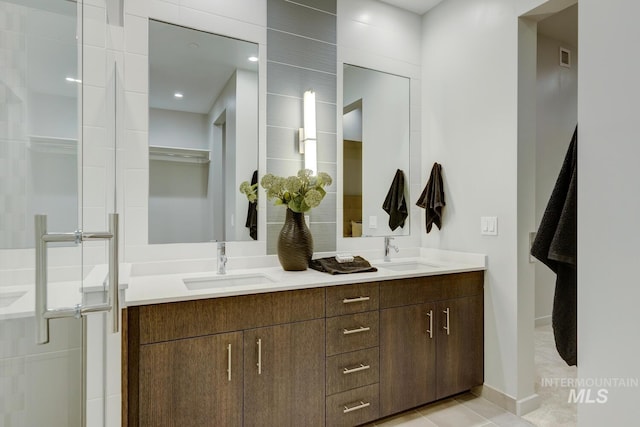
[57, 174]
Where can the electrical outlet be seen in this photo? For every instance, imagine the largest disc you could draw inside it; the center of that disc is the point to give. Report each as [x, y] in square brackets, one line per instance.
[373, 221]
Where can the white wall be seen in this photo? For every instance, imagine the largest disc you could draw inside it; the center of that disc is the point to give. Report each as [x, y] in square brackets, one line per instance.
[608, 206]
[171, 128]
[557, 116]
[378, 36]
[470, 126]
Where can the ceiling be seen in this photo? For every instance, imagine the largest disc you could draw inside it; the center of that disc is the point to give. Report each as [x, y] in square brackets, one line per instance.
[416, 6]
[561, 26]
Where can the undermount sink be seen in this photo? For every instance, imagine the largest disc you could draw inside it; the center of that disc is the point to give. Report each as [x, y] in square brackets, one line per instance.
[225, 281]
[405, 265]
[8, 298]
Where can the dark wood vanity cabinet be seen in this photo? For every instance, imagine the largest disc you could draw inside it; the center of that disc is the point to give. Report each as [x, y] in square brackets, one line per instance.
[431, 339]
[335, 356]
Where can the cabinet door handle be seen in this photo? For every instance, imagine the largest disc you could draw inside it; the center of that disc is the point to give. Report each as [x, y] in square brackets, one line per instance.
[360, 405]
[229, 362]
[446, 326]
[357, 299]
[259, 364]
[356, 330]
[362, 367]
[430, 330]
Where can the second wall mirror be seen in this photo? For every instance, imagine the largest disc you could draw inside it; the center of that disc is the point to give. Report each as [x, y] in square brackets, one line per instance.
[203, 135]
[376, 136]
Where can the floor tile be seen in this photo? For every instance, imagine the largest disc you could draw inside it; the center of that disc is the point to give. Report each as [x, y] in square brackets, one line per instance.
[451, 413]
[408, 419]
[491, 412]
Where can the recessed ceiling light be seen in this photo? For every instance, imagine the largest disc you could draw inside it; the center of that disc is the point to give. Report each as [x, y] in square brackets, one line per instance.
[71, 79]
[253, 58]
[178, 95]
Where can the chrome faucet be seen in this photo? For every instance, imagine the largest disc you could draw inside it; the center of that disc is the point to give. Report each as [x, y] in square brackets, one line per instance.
[222, 258]
[387, 246]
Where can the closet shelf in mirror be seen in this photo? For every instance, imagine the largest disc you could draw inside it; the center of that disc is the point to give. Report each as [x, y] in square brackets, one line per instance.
[178, 154]
[53, 144]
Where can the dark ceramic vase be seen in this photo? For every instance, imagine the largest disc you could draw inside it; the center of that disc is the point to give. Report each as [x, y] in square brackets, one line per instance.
[295, 243]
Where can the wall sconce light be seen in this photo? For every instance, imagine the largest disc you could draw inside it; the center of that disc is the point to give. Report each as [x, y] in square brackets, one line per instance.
[307, 134]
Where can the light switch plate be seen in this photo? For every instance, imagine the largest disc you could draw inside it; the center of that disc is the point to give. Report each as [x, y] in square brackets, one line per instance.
[373, 221]
[489, 225]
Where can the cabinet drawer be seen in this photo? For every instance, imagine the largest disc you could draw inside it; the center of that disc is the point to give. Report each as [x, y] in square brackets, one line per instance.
[352, 370]
[350, 299]
[352, 332]
[353, 407]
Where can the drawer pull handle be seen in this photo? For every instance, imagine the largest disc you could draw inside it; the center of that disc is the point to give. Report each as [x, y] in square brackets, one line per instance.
[447, 327]
[357, 299]
[360, 405]
[430, 330]
[356, 331]
[362, 367]
[259, 364]
[229, 362]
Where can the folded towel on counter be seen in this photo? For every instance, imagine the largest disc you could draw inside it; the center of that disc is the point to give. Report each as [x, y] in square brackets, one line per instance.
[556, 246]
[332, 266]
[395, 204]
[432, 198]
[252, 212]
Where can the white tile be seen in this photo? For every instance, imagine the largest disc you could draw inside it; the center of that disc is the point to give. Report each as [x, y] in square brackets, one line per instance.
[93, 32]
[451, 414]
[136, 111]
[136, 73]
[409, 419]
[94, 137]
[95, 357]
[137, 7]
[251, 11]
[135, 228]
[95, 412]
[94, 187]
[114, 360]
[93, 106]
[136, 34]
[163, 11]
[114, 417]
[94, 218]
[137, 150]
[137, 187]
[222, 25]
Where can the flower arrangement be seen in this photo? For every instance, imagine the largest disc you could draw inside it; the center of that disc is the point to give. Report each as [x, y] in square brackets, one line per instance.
[299, 193]
[251, 191]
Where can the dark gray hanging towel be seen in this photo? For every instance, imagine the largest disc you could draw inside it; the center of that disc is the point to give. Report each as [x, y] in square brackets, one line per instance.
[252, 212]
[555, 246]
[395, 204]
[432, 198]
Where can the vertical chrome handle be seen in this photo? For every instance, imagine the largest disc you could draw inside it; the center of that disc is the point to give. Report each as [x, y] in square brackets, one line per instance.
[114, 285]
[259, 364]
[446, 326]
[430, 330]
[42, 313]
[229, 362]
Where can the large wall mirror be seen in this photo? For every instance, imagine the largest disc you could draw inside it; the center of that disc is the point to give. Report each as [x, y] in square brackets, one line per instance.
[203, 135]
[376, 159]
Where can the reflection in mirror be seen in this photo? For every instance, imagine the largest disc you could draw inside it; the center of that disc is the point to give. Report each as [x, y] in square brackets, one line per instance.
[203, 134]
[376, 134]
[39, 87]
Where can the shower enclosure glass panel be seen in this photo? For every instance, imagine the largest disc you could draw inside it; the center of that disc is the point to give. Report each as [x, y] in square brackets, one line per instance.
[57, 158]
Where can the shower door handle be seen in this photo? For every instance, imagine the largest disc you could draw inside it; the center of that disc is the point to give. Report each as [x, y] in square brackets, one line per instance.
[42, 313]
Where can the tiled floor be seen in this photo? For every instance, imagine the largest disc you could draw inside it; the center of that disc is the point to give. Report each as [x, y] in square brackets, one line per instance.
[467, 410]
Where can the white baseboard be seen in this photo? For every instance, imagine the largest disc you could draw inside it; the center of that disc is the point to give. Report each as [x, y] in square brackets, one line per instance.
[518, 407]
[543, 321]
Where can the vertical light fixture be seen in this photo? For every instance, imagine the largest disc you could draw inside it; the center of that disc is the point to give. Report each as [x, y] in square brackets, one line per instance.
[307, 134]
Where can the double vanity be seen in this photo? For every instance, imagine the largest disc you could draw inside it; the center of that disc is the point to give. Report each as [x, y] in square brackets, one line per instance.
[264, 347]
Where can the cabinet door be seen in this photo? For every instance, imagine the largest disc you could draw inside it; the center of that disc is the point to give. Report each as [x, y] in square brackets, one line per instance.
[188, 382]
[407, 357]
[284, 383]
[460, 345]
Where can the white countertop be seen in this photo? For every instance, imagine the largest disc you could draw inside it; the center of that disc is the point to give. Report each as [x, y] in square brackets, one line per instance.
[148, 286]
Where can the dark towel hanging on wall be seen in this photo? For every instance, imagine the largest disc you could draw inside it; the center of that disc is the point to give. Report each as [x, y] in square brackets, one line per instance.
[555, 246]
[432, 198]
[252, 212]
[395, 204]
